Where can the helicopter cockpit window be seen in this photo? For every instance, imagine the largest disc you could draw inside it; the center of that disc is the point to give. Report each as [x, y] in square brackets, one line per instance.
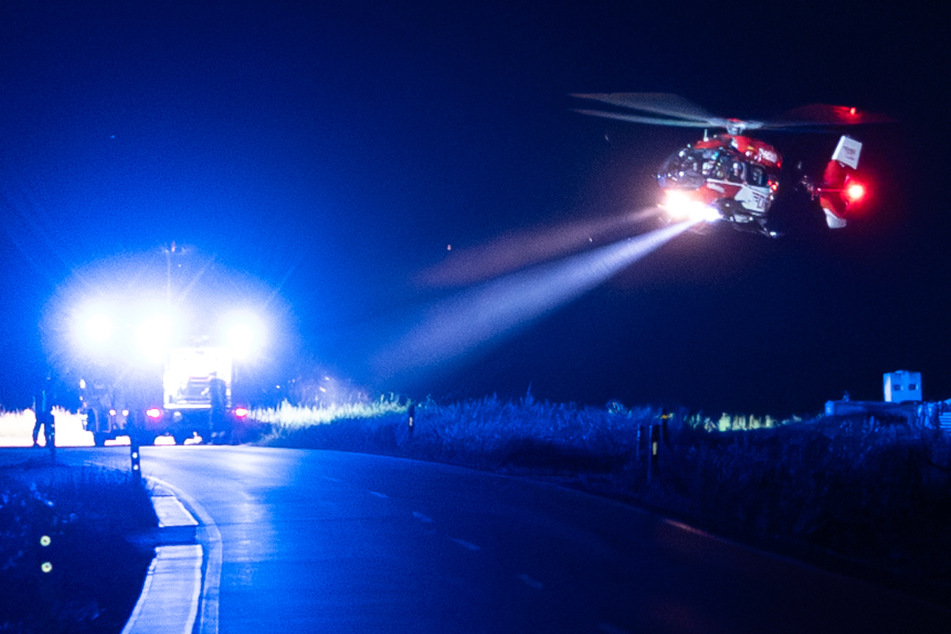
[756, 176]
[723, 167]
[709, 158]
[737, 170]
[683, 170]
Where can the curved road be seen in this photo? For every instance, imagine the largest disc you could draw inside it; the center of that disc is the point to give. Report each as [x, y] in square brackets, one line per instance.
[314, 541]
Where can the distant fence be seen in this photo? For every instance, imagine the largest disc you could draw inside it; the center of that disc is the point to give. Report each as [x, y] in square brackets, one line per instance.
[921, 414]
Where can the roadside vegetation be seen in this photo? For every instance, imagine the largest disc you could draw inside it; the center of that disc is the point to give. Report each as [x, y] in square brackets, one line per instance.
[73, 553]
[853, 494]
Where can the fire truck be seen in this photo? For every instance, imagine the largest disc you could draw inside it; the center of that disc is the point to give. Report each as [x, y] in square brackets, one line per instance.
[196, 401]
[157, 341]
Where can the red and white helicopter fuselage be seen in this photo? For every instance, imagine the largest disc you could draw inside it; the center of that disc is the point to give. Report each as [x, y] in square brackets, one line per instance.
[736, 178]
[728, 177]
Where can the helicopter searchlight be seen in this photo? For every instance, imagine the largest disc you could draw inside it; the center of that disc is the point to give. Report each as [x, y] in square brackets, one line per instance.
[680, 206]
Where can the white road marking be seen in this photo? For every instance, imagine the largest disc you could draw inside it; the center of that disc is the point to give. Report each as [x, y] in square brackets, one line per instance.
[210, 583]
[171, 512]
[175, 599]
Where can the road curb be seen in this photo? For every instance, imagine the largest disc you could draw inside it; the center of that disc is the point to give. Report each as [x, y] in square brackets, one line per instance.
[170, 595]
[181, 586]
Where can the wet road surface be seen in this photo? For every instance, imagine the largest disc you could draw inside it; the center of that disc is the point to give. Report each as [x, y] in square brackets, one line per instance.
[314, 541]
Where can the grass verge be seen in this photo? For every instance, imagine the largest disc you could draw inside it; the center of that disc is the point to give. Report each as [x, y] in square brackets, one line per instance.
[861, 497]
[69, 561]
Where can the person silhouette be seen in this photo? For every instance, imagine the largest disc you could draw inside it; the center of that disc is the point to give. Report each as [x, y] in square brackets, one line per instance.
[43, 412]
[218, 397]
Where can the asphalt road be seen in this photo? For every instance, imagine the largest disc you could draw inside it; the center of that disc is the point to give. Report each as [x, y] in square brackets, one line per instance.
[314, 541]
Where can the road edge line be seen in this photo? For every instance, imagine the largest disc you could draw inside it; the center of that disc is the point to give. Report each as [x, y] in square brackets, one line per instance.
[209, 537]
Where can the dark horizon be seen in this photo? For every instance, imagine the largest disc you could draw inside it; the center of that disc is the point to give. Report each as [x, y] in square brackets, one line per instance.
[341, 154]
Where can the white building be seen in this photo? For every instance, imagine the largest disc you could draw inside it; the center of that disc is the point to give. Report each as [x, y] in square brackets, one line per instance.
[902, 386]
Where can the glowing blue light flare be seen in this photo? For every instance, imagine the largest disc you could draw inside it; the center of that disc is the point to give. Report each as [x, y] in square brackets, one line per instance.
[153, 337]
[245, 334]
[97, 328]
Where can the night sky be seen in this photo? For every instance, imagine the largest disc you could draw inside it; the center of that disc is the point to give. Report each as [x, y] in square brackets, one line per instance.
[350, 157]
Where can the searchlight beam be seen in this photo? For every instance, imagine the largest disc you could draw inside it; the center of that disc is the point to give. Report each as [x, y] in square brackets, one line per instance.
[495, 309]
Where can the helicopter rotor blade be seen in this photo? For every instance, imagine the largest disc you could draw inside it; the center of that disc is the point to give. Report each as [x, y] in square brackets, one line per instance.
[665, 104]
[623, 116]
[684, 112]
[823, 116]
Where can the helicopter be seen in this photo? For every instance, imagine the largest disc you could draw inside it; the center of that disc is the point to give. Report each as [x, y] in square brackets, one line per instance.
[734, 178]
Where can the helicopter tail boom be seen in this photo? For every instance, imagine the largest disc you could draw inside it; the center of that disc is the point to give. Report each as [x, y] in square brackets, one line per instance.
[840, 189]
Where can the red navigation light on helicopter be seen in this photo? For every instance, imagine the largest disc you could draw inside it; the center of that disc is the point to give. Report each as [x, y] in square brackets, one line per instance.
[854, 192]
